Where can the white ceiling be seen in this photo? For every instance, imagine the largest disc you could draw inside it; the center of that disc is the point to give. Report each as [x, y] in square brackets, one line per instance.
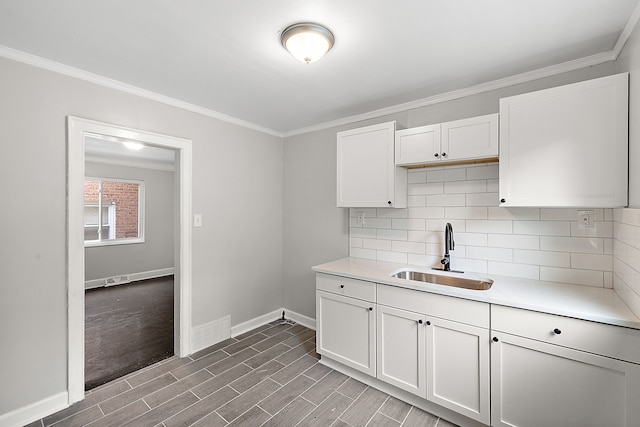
[225, 56]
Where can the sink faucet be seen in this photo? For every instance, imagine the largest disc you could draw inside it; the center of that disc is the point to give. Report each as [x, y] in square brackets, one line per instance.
[449, 245]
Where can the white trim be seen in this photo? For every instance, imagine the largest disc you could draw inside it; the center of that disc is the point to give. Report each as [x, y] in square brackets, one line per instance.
[133, 277]
[626, 33]
[77, 73]
[35, 411]
[303, 320]
[76, 129]
[255, 322]
[211, 333]
[134, 163]
[270, 317]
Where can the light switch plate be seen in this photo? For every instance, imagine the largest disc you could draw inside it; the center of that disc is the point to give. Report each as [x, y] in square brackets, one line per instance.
[197, 220]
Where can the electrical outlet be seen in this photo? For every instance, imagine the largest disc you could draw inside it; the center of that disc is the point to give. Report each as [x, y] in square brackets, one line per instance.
[585, 219]
[360, 218]
[197, 220]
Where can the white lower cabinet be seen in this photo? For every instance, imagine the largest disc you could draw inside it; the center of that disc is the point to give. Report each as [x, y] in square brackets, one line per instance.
[545, 372]
[346, 326]
[445, 361]
[458, 367]
[401, 349]
[536, 384]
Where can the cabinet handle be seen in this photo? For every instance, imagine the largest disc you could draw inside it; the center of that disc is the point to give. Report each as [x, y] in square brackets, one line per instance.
[389, 202]
[502, 200]
[341, 286]
[495, 339]
[420, 321]
[370, 308]
[557, 331]
[428, 323]
[444, 154]
[436, 155]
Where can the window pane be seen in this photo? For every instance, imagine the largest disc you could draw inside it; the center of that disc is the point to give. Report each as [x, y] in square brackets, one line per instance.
[119, 213]
[123, 196]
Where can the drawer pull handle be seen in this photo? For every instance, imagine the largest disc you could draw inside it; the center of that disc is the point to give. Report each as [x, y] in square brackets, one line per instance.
[370, 308]
[557, 331]
[495, 339]
[420, 321]
[428, 323]
[341, 286]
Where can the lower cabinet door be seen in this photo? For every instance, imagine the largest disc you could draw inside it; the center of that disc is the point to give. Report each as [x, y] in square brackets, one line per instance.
[539, 384]
[458, 367]
[401, 349]
[346, 331]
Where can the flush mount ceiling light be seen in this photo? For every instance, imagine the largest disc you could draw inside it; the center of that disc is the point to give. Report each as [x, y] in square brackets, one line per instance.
[306, 41]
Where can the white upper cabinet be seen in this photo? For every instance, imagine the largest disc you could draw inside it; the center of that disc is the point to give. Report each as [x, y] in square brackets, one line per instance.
[366, 171]
[463, 140]
[418, 145]
[566, 146]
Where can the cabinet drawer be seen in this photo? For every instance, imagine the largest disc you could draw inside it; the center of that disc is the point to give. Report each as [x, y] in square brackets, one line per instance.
[456, 309]
[606, 340]
[348, 287]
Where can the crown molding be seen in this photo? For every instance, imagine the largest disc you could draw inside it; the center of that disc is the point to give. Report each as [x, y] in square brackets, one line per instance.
[626, 32]
[36, 61]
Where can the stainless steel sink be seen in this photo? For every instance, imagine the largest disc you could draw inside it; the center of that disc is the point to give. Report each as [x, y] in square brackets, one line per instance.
[458, 282]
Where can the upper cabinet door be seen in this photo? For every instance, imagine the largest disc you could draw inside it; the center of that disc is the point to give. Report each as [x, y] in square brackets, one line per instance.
[467, 139]
[418, 145]
[366, 171]
[566, 146]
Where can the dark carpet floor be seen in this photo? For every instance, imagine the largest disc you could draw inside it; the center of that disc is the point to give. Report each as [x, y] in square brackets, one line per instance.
[127, 327]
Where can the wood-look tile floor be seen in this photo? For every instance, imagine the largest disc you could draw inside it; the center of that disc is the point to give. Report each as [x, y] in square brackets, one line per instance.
[269, 376]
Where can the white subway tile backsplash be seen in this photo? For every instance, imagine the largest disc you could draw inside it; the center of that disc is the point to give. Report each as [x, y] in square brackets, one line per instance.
[586, 245]
[446, 200]
[416, 201]
[409, 247]
[600, 229]
[465, 212]
[408, 224]
[392, 234]
[417, 177]
[514, 241]
[524, 271]
[490, 254]
[392, 213]
[592, 262]
[572, 275]
[392, 257]
[542, 228]
[471, 239]
[425, 189]
[522, 214]
[537, 243]
[482, 199]
[477, 186]
[377, 222]
[427, 212]
[447, 174]
[380, 245]
[483, 171]
[551, 259]
[490, 226]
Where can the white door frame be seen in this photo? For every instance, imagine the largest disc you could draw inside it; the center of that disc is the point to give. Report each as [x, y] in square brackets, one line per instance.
[76, 129]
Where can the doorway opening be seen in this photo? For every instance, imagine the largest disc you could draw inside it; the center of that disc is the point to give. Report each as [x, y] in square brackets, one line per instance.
[78, 130]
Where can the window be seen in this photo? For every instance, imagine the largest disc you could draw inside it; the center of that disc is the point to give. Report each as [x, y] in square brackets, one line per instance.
[113, 211]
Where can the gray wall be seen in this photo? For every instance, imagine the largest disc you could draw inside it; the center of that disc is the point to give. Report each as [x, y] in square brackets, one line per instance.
[157, 250]
[237, 187]
[316, 231]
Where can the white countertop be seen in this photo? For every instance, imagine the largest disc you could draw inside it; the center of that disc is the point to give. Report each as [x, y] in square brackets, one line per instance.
[581, 302]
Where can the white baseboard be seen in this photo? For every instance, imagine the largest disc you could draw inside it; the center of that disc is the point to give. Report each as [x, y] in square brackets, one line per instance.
[35, 411]
[305, 321]
[128, 278]
[255, 322]
[211, 333]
